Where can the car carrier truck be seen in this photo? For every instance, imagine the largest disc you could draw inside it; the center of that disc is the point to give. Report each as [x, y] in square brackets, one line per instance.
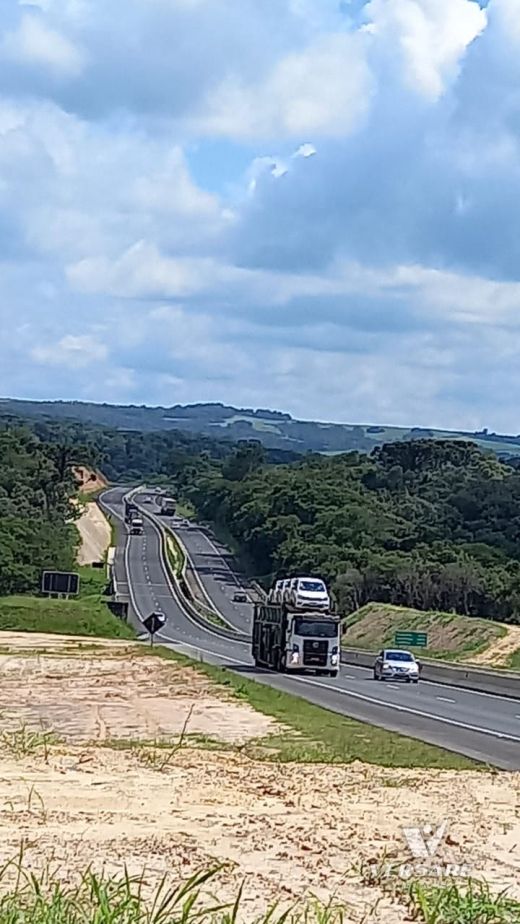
[131, 511]
[292, 642]
[166, 506]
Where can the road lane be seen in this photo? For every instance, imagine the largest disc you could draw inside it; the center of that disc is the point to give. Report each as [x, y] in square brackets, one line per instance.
[214, 568]
[481, 726]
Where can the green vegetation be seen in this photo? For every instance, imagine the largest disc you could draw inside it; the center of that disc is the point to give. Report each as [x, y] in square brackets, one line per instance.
[450, 637]
[36, 488]
[430, 525]
[99, 899]
[514, 661]
[275, 429]
[175, 554]
[427, 525]
[320, 736]
[471, 903]
[88, 615]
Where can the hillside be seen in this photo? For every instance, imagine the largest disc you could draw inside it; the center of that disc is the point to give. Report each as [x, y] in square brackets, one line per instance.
[450, 637]
[276, 430]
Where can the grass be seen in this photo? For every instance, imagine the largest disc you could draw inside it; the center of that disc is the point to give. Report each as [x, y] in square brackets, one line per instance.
[176, 557]
[87, 615]
[98, 899]
[24, 742]
[177, 562]
[316, 735]
[453, 903]
[451, 637]
[514, 660]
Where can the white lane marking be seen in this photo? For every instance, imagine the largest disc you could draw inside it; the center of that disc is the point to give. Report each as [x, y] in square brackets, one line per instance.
[449, 688]
[444, 699]
[176, 599]
[377, 702]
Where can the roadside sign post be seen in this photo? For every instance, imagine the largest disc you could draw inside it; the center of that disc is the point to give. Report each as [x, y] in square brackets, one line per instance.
[411, 640]
[153, 624]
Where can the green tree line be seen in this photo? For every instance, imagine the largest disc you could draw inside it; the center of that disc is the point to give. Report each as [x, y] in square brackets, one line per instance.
[427, 524]
[36, 528]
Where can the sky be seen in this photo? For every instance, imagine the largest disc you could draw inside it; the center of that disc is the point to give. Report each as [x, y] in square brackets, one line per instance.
[308, 205]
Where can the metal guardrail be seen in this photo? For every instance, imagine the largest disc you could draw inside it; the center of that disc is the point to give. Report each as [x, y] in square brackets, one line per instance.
[498, 683]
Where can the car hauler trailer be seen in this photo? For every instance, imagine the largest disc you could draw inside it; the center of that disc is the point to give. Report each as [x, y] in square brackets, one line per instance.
[292, 642]
[166, 506]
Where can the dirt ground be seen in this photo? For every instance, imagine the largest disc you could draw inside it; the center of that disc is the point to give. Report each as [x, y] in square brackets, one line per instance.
[500, 651]
[95, 533]
[89, 480]
[290, 829]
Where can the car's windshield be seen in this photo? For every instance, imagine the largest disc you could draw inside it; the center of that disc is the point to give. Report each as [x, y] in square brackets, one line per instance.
[315, 628]
[398, 656]
[314, 586]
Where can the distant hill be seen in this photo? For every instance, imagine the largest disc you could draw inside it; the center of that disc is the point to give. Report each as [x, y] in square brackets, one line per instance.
[274, 429]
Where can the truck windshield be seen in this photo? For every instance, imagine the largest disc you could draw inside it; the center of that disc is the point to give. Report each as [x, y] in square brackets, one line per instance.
[315, 628]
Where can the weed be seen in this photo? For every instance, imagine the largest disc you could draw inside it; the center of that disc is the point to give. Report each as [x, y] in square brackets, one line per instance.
[24, 741]
[470, 903]
[94, 899]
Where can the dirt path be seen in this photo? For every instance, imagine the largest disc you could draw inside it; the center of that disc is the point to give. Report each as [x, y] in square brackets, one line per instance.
[500, 651]
[95, 533]
[291, 830]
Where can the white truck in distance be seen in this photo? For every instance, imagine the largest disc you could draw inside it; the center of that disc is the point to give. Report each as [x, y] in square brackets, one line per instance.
[301, 594]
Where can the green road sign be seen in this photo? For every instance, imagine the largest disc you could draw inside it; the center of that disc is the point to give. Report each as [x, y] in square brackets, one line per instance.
[411, 640]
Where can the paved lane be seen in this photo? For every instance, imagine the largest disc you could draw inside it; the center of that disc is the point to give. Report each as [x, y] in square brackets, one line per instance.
[481, 726]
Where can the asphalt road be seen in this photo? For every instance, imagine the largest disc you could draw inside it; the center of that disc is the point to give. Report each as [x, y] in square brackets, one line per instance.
[476, 724]
[212, 564]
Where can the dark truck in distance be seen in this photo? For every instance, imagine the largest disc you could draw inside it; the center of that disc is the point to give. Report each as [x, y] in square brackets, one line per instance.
[294, 642]
[131, 511]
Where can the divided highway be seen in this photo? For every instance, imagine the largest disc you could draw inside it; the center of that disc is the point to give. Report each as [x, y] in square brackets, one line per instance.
[479, 725]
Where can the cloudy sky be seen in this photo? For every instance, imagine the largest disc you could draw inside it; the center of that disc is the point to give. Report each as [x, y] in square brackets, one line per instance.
[312, 205]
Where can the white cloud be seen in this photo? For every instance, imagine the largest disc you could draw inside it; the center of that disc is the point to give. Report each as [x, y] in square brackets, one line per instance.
[325, 88]
[73, 351]
[432, 36]
[33, 42]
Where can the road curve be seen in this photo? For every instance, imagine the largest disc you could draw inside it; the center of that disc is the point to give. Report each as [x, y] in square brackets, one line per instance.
[484, 727]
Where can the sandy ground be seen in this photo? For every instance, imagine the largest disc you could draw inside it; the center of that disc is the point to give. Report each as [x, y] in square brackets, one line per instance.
[290, 829]
[95, 533]
[89, 480]
[499, 652]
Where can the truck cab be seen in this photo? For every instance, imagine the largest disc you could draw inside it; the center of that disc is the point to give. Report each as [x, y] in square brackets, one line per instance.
[295, 642]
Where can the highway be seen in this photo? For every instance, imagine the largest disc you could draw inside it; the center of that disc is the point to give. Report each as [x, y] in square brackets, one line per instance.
[478, 725]
[213, 566]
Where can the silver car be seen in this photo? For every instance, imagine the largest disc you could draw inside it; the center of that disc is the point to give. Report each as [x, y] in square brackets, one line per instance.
[394, 664]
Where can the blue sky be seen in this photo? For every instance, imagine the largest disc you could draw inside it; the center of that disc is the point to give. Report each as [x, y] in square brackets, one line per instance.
[302, 204]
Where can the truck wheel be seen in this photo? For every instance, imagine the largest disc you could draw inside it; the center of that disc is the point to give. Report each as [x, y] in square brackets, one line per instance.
[333, 673]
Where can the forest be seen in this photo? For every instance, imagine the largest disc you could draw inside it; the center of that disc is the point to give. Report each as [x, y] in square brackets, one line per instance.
[427, 524]
[430, 524]
[36, 526]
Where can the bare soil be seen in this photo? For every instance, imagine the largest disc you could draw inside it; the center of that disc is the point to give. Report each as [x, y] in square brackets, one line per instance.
[291, 829]
[95, 533]
[89, 479]
[500, 651]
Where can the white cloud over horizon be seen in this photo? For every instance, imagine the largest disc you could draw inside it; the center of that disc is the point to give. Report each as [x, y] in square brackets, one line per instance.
[301, 204]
